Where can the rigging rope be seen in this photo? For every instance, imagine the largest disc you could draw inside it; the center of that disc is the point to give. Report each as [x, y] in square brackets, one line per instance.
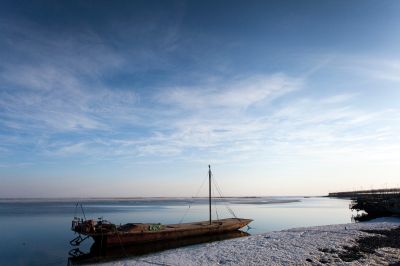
[218, 189]
[215, 204]
[190, 204]
[76, 209]
[224, 201]
[120, 242]
[84, 216]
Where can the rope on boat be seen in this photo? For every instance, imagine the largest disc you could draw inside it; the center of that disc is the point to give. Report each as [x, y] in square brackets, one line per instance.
[190, 204]
[84, 216]
[120, 242]
[224, 201]
[76, 210]
[215, 205]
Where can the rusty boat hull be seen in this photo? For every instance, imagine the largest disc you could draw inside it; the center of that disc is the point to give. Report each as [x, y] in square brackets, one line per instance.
[137, 233]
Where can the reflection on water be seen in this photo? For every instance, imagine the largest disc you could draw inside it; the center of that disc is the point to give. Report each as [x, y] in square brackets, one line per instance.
[37, 232]
[101, 254]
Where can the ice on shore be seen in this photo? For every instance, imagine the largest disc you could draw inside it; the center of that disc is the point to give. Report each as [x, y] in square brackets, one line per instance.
[299, 246]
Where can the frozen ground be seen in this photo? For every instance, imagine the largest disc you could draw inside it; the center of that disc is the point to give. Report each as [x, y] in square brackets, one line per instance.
[299, 246]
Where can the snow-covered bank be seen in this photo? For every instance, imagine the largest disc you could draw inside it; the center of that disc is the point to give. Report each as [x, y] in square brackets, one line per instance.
[299, 246]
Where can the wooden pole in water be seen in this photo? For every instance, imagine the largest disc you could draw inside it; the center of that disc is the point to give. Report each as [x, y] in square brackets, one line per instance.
[209, 189]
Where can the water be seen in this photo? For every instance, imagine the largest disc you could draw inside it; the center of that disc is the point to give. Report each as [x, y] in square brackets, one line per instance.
[37, 232]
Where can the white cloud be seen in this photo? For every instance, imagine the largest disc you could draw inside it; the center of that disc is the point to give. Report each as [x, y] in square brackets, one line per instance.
[236, 93]
[370, 67]
[340, 98]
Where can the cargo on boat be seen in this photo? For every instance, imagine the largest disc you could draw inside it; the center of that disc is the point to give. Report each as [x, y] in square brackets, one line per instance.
[108, 234]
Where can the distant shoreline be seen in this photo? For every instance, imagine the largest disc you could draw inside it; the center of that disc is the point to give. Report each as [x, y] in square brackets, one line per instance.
[151, 197]
[270, 199]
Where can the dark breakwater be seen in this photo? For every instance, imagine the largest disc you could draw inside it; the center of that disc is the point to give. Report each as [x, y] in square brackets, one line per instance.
[372, 203]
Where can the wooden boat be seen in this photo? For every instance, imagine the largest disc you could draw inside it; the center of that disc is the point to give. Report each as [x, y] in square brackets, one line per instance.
[108, 234]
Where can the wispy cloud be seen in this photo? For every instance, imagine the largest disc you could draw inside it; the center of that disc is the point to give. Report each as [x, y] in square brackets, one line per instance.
[370, 67]
[236, 93]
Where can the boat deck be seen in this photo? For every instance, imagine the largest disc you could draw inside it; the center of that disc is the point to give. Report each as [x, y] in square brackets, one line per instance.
[147, 227]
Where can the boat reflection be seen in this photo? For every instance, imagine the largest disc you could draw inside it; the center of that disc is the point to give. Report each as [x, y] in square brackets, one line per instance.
[101, 254]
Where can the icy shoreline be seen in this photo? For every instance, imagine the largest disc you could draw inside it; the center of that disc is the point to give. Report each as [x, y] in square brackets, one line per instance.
[298, 246]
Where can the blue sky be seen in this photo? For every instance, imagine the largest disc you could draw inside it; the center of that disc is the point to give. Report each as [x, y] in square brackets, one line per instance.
[136, 98]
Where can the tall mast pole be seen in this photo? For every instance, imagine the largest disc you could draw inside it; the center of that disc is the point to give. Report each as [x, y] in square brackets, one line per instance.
[209, 190]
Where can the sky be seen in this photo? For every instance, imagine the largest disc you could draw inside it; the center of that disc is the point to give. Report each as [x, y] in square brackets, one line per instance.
[136, 98]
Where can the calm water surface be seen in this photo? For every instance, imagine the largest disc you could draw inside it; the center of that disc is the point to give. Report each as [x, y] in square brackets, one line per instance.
[37, 232]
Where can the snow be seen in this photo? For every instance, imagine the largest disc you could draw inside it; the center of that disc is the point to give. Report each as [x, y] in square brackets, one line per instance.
[300, 246]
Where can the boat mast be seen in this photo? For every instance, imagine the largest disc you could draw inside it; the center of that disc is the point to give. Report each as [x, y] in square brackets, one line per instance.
[209, 190]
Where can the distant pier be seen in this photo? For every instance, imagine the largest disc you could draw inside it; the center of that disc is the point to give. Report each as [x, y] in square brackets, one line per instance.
[360, 193]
